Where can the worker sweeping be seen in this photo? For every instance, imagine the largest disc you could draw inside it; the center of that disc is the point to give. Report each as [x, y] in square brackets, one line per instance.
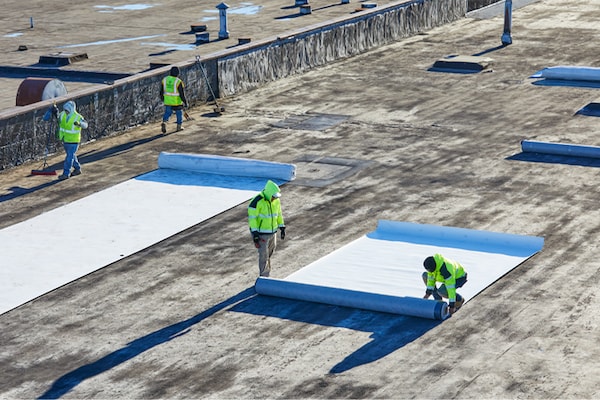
[451, 274]
[265, 219]
[70, 123]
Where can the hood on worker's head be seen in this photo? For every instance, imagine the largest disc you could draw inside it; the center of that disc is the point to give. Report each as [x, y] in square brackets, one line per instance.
[174, 71]
[271, 190]
[429, 264]
[69, 106]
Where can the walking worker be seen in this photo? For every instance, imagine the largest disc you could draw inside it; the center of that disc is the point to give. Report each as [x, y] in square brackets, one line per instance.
[70, 123]
[450, 273]
[264, 219]
[172, 94]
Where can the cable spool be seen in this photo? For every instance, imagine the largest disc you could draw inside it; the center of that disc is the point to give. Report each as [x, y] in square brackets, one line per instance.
[32, 90]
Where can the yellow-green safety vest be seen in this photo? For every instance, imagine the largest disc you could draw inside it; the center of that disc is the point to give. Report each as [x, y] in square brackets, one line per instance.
[264, 216]
[69, 132]
[454, 268]
[170, 93]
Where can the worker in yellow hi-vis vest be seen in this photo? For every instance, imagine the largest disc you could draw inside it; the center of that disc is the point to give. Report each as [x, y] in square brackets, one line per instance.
[172, 93]
[451, 274]
[265, 219]
[70, 123]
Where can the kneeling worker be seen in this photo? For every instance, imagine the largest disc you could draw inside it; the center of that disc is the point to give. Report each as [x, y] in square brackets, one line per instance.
[451, 274]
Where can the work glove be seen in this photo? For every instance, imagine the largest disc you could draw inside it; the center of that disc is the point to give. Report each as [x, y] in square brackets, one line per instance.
[282, 232]
[51, 112]
[452, 308]
[256, 239]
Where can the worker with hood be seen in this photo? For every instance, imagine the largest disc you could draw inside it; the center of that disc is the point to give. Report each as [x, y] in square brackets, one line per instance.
[265, 219]
[70, 123]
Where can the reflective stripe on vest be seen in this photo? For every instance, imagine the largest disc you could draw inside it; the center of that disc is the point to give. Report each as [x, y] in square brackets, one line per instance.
[170, 92]
[264, 216]
[69, 132]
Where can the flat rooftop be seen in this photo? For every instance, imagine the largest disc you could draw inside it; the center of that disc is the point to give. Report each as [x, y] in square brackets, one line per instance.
[180, 319]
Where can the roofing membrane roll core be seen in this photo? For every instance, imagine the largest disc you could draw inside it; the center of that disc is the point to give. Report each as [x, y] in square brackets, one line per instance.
[382, 270]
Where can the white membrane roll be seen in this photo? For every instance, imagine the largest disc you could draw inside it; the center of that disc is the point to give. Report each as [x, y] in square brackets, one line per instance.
[213, 164]
[410, 306]
[571, 73]
[561, 149]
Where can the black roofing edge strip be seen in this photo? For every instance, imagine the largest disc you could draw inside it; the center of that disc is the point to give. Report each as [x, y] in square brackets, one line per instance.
[66, 75]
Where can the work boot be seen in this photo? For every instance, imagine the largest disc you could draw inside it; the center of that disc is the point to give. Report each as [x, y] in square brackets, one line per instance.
[76, 172]
[179, 128]
[163, 127]
[459, 303]
[63, 177]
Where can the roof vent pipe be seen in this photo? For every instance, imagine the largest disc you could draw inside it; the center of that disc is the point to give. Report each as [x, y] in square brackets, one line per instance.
[223, 32]
[506, 38]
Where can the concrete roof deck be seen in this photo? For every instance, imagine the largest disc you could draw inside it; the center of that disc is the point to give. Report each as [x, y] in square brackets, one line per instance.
[127, 38]
[443, 149]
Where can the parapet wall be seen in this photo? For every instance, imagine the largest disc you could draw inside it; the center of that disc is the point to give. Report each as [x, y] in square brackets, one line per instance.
[477, 4]
[302, 50]
[132, 101]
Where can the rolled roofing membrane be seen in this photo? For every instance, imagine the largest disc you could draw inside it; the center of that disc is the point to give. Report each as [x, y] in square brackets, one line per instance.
[220, 165]
[382, 270]
[570, 73]
[561, 149]
[62, 245]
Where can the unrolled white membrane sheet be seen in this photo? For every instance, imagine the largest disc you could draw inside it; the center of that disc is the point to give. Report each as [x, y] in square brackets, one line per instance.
[62, 245]
[382, 270]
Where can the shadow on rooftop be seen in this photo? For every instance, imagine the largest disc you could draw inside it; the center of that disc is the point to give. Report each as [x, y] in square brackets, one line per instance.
[70, 380]
[389, 332]
[555, 159]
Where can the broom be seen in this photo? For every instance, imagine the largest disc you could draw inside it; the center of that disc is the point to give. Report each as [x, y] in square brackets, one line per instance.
[44, 170]
[218, 108]
[187, 116]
